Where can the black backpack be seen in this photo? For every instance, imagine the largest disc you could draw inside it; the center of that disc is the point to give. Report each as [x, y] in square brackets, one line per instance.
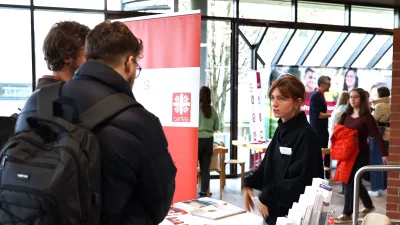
[50, 174]
[7, 127]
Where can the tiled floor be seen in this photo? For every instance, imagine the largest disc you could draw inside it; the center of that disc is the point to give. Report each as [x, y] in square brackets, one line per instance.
[232, 194]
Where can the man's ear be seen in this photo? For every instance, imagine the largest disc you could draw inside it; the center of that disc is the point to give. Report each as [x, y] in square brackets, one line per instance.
[129, 64]
[67, 60]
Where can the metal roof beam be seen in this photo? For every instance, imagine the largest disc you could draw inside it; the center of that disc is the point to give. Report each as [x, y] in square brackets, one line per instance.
[382, 51]
[364, 43]
[314, 40]
[335, 48]
[284, 45]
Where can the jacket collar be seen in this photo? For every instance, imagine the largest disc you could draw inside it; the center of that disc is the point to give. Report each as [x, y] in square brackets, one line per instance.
[92, 70]
[381, 100]
[296, 121]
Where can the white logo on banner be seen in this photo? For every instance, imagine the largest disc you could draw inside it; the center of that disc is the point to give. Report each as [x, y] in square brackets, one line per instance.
[181, 104]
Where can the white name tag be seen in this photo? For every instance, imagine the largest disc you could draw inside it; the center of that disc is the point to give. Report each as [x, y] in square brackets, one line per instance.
[285, 151]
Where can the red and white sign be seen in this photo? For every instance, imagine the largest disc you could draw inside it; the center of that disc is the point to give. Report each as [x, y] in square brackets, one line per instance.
[181, 103]
[168, 87]
[257, 127]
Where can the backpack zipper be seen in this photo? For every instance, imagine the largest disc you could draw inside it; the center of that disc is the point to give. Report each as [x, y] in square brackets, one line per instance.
[75, 158]
[41, 194]
[18, 161]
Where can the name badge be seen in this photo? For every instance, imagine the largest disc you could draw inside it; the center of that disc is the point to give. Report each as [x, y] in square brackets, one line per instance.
[285, 151]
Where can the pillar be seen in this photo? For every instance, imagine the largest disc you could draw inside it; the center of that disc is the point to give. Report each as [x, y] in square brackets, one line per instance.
[202, 5]
[393, 190]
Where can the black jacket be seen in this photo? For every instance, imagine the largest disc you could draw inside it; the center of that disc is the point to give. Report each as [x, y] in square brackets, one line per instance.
[138, 181]
[282, 178]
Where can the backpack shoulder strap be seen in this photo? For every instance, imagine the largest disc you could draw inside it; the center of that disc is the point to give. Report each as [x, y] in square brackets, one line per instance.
[46, 98]
[106, 109]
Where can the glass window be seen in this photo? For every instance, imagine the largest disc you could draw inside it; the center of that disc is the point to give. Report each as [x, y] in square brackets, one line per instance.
[266, 10]
[156, 6]
[296, 47]
[251, 33]
[370, 51]
[218, 70]
[321, 49]
[346, 50]
[320, 13]
[244, 110]
[44, 20]
[372, 17]
[222, 8]
[114, 5]
[86, 4]
[271, 43]
[15, 58]
[14, 2]
[386, 60]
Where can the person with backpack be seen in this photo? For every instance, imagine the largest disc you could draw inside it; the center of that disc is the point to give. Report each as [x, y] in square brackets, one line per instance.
[95, 124]
[64, 51]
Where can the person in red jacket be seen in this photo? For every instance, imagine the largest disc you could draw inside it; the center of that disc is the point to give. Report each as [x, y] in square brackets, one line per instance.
[358, 117]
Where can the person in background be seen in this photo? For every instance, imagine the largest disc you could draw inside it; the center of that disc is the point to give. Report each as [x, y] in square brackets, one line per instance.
[138, 173]
[319, 116]
[64, 51]
[374, 90]
[208, 124]
[309, 82]
[336, 114]
[358, 117]
[350, 80]
[293, 157]
[382, 116]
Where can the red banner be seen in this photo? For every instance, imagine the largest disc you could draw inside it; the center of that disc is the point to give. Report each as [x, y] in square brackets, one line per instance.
[168, 87]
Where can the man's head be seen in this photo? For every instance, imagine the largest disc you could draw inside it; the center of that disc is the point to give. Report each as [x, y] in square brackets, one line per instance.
[324, 83]
[309, 79]
[113, 44]
[64, 48]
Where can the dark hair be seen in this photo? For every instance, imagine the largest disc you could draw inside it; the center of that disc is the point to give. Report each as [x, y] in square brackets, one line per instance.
[309, 69]
[65, 39]
[110, 41]
[289, 86]
[205, 101]
[364, 107]
[383, 92]
[345, 88]
[323, 79]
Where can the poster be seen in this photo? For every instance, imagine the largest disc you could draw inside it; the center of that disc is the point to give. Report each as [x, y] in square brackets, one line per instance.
[168, 86]
[256, 99]
[342, 79]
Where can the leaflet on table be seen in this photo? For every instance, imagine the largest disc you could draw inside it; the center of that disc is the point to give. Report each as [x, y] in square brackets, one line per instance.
[209, 208]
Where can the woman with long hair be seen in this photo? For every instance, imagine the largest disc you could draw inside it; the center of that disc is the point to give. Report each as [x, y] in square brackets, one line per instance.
[336, 114]
[293, 157]
[358, 117]
[208, 124]
[350, 80]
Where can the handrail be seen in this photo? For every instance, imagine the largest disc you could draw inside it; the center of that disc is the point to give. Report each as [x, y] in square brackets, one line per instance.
[357, 177]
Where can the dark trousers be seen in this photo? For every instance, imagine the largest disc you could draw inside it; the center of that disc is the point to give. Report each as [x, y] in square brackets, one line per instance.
[378, 179]
[324, 139]
[204, 155]
[349, 189]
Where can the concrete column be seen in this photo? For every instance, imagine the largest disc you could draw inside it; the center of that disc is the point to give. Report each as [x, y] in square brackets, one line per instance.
[203, 6]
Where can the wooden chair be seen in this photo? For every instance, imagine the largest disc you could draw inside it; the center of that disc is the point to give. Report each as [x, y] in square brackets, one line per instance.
[242, 167]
